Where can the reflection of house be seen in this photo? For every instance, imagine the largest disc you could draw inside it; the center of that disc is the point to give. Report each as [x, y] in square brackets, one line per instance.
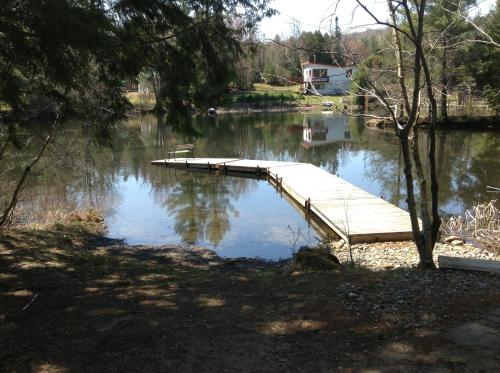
[321, 129]
[326, 79]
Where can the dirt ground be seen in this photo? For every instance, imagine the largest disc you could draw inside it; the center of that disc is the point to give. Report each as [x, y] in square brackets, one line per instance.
[73, 301]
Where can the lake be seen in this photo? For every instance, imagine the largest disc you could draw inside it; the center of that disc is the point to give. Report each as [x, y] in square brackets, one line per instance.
[146, 204]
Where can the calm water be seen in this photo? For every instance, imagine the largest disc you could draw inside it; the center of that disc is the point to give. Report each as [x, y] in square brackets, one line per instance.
[147, 204]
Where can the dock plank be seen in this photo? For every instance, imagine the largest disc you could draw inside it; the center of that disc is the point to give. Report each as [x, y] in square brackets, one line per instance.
[351, 212]
[482, 265]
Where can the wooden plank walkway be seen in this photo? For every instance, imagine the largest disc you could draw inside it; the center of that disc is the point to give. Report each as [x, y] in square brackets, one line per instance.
[349, 211]
[451, 262]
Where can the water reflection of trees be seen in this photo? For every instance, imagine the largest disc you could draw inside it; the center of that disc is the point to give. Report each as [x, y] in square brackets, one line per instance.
[466, 163]
[201, 204]
[87, 176]
[66, 178]
[473, 162]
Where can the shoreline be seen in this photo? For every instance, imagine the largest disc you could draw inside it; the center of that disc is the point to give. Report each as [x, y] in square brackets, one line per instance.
[385, 255]
[74, 300]
[479, 123]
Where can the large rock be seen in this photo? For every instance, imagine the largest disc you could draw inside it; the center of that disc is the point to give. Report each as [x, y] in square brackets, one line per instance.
[315, 259]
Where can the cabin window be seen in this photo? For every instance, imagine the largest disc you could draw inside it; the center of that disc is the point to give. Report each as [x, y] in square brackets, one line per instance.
[320, 75]
[348, 73]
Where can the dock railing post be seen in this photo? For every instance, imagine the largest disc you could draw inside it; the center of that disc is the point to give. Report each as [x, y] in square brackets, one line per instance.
[307, 206]
[307, 215]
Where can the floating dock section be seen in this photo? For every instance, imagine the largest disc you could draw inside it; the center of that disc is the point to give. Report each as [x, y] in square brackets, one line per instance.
[352, 213]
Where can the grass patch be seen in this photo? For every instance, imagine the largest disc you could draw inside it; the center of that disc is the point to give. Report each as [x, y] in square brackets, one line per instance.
[141, 101]
[273, 89]
[481, 223]
[269, 95]
[262, 97]
[318, 100]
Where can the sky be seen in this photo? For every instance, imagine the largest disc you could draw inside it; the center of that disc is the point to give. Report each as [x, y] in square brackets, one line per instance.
[312, 14]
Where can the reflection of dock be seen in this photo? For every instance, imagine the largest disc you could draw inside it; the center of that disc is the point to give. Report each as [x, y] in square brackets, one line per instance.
[348, 210]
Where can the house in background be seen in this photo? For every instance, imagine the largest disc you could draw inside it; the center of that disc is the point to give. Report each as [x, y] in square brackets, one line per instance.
[326, 79]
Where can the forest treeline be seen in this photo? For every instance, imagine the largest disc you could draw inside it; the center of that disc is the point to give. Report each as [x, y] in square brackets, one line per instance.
[464, 55]
[80, 53]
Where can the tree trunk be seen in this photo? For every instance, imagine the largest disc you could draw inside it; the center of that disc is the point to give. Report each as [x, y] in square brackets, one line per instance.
[158, 87]
[422, 238]
[399, 57]
[444, 82]
[427, 247]
[410, 192]
[436, 219]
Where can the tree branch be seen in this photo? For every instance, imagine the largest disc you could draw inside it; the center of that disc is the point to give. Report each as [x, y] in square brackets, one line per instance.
[7, 214]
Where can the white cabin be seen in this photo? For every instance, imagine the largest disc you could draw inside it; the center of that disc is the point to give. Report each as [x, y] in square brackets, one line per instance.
[326, 79]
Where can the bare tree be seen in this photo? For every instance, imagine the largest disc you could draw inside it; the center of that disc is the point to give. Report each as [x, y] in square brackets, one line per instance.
[399, 92]
[6, 217]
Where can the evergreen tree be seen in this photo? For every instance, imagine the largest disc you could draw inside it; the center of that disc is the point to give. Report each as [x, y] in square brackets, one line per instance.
[315, 47]
[483, 59]
[81, 52]
[448, 32]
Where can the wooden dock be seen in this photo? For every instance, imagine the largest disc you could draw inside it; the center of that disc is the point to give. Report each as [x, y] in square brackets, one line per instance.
[349, 211]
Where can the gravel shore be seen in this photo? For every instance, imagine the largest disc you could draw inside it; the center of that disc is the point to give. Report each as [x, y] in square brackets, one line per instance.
[393, 255]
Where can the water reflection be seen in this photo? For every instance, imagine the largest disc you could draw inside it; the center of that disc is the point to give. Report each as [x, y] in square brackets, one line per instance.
[202, 207]
[147, 204]
[325, 129]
